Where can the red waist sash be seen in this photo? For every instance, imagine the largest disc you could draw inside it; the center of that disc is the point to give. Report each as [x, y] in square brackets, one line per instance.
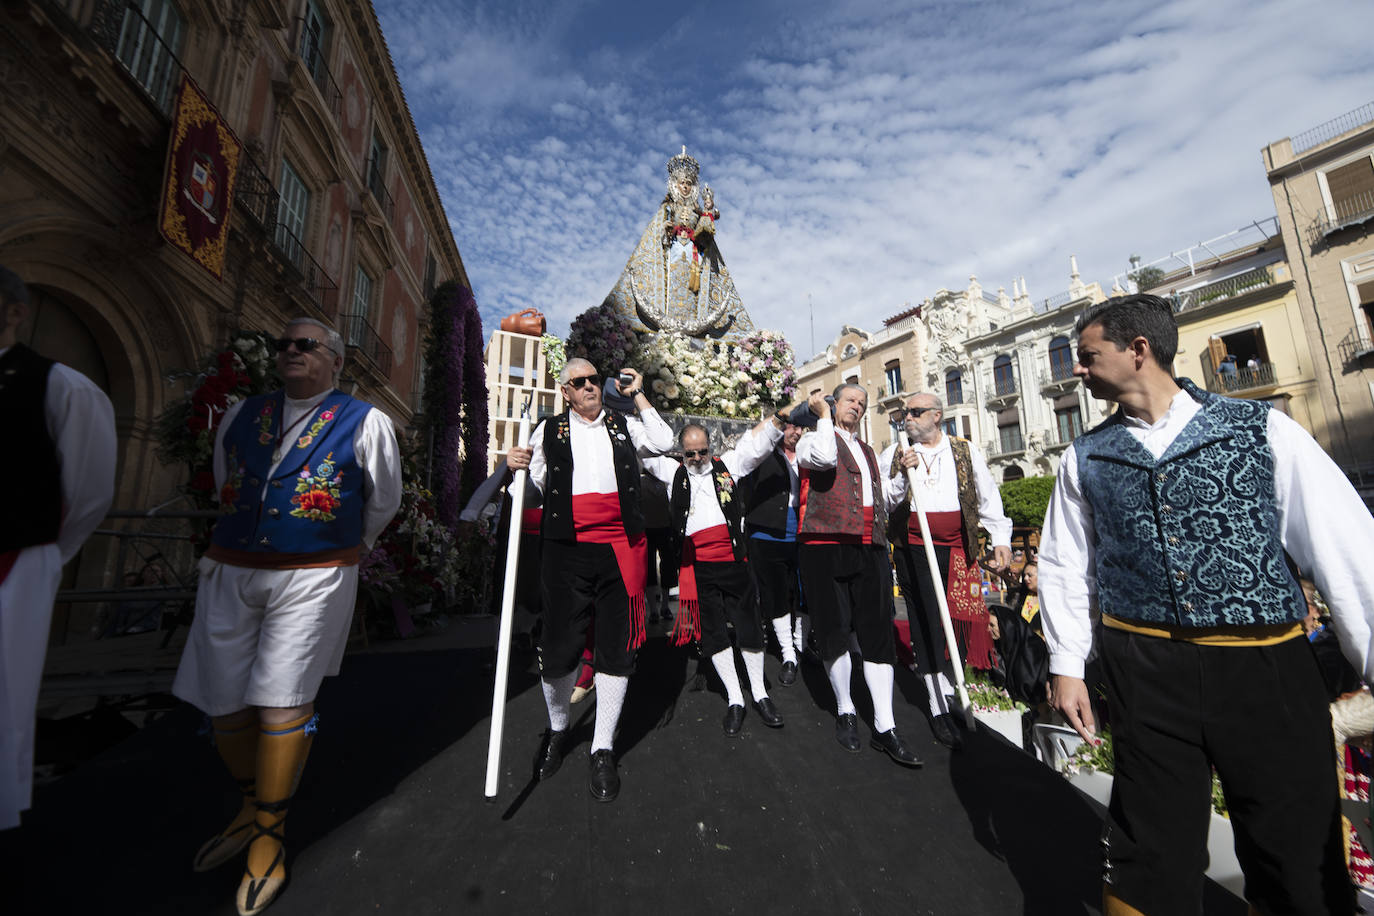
[709, 545]
[946, 528]
[596, 520]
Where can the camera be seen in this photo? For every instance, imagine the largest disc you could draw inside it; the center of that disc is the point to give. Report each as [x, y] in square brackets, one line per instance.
[625, 380]
[805, 417]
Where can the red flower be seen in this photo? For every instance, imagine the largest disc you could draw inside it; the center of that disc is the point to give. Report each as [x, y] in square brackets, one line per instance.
[316, 501]
[203, 482]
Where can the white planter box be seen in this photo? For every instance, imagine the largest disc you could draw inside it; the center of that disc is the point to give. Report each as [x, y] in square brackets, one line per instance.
[1006, 722]
[1223, 867]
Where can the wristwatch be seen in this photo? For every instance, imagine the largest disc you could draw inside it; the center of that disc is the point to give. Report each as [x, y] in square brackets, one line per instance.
[632, 392]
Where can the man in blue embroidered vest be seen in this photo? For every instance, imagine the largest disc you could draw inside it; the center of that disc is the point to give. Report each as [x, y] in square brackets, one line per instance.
[595, 557]
[308, 478]
[844, 566]
[62, 483]
[1181, 520]
[713, 578]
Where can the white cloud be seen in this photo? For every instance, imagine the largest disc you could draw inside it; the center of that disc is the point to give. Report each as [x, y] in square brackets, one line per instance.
[866, 155]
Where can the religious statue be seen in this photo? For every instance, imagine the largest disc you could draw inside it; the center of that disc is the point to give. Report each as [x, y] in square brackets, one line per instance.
[676, 280]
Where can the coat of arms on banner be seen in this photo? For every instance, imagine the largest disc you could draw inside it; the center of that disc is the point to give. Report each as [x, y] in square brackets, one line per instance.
[198, 187]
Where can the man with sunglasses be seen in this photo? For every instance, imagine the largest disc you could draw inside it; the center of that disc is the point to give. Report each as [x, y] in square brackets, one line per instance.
[958, 494]
[308, 478]
[713, 579]
[595, 557]
[843, 559]
[66, 465]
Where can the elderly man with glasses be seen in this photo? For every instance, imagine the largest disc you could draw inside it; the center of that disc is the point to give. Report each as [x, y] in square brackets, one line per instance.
[595, 556]
[713, 580]
[958, 494]
[308, 478]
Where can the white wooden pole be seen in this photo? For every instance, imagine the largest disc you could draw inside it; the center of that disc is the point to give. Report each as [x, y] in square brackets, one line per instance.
[940, 585]
[498, 693]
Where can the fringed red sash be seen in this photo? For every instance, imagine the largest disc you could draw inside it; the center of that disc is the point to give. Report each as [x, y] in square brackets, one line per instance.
[7, 563]
[596, 520]
[964, 590]
[709, 545]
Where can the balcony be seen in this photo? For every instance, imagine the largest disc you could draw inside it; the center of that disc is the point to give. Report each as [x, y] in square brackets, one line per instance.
[376, 184]
[1349, 211]
[1229, 288]
[1007, 445]
[363, 339]
[1059, 438]
[146, 55]
[1004, 393]
[256, 195]
[1355, 346]
[1243, 380]
[1058, 380]
[319, 288]
[312, 56]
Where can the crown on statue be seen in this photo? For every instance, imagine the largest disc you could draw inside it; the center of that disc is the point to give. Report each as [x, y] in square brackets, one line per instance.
[683, 163]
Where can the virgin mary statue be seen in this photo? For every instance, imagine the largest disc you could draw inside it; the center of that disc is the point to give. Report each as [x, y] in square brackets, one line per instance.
[676, 281]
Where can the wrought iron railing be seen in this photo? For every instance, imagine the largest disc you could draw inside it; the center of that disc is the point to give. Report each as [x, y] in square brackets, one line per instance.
[1354, 345]
[1349, 211]
[1242, 378]
[359, 334]
[148, 58]
[1057, 300]
[316, 282]
[1004, 386]
[256, 195]
[1224, 289]
[1333, 128]
[1058, 374]
[376, 183]
[311, 49]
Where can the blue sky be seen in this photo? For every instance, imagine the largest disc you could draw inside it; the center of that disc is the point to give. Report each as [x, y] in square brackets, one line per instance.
[864, 154]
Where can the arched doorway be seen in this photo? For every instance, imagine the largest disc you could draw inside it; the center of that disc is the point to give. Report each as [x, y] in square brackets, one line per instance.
[57, 331]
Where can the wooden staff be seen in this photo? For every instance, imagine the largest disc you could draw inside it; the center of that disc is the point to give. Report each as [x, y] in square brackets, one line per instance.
[940, 584]
[516, 490]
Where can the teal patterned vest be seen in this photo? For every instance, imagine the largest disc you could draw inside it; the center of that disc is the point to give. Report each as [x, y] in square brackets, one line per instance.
[1191, 539]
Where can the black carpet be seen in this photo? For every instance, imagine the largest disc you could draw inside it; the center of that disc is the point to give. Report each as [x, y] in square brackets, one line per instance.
[390, 816]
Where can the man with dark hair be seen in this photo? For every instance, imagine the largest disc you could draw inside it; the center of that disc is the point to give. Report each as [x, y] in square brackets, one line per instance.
[308, 478]
[958, 495]
[772, 494]
[713, 578]
[845, 571]
[62, 455]
[1180, 520]
[594, 562]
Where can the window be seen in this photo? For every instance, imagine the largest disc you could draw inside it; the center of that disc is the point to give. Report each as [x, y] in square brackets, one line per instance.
[1003, 380]
[149, 39]
[893, 373]
[292, 208]
[362, 295]
[429, 274]
[314, 38]
[850, 351]
[376, 169]
[951, 427]
[954, 387]
[1352, 188]
[1009, 431]
[1366, 293]
[1013, 472]
[1068, 422]
[1061, 359]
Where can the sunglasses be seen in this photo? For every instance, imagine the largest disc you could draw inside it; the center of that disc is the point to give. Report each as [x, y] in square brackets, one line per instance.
[914, 412]
[576, 383]
[695, 452]
[303, 344]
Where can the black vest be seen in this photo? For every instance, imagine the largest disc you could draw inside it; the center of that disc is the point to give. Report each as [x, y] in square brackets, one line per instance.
[558, 515]
[766, 493]
[33, 503]
[680, 501]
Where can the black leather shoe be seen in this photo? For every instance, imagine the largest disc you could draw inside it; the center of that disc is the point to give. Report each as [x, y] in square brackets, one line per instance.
[605, 781]
[550, 754]
[946, 731]
[768, 713]
[847, 732]
[891, 743]
[734, 718]
[788, 676]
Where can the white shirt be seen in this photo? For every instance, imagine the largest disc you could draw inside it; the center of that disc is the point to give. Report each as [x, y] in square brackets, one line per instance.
[374, 448]
[593, 468]
[817, 452]
[80, 420]
[704, 510]
[942, 495]
[1324, 527]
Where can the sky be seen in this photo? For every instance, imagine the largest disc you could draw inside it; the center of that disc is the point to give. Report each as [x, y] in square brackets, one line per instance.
[864, 155]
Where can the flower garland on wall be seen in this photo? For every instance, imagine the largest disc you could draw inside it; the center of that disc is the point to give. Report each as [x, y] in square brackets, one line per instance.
[186, 428]
[455, 400]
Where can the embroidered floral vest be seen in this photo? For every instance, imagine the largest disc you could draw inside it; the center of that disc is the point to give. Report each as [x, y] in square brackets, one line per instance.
[832, 501]
[723, 483]
[900, 521]
[558, 516]
[313, 501]
[1191, 539]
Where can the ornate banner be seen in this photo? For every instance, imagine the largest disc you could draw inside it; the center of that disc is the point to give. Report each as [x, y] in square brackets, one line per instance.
[198, 188]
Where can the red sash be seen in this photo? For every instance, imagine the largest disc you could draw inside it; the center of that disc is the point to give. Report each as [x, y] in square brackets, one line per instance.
[530, 520]
[596, 520]
[946, 528]
[709, 545]
[964, 590]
